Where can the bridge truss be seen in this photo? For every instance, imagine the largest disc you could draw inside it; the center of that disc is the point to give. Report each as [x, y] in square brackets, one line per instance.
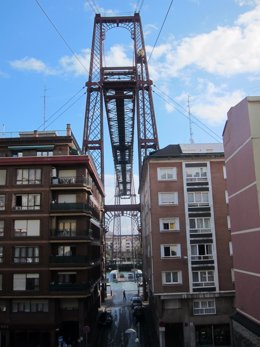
[124, 93]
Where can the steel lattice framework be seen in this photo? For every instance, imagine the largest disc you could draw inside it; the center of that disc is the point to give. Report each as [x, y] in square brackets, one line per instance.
[125, 93]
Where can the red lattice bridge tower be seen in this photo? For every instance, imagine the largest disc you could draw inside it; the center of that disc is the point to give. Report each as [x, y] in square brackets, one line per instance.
[124, 93]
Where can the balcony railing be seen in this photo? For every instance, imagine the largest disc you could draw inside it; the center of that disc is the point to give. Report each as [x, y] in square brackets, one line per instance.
[75, 206]
[71, 180]
[202, 257]
[69, 259]
[67, 234]
[203, 284]
[200, 231]
[69, 287]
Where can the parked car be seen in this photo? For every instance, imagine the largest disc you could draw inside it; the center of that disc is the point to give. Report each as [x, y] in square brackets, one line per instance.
[105, 319]
[136, 301]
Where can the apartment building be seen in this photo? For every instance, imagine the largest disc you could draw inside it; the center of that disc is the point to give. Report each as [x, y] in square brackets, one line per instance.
[51, 210]
[242, 152]
[125, 248]
[187, 255]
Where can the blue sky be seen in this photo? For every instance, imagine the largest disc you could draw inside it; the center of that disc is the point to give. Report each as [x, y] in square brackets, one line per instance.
[207, 50]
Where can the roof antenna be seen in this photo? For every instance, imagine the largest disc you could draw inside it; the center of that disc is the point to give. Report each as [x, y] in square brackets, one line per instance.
[44, 107]
[190, 121]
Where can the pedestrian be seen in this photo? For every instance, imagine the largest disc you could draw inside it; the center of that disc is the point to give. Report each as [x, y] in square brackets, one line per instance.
[124, 296]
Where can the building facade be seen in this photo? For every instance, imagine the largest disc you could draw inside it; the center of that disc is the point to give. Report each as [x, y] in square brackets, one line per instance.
[187, 259]
[51, 210]
[242, 152]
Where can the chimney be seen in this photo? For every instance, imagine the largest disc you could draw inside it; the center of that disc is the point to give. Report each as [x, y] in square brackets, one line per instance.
[68, 129]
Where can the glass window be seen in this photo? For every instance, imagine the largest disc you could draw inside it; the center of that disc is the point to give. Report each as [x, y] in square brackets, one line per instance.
[196, 174]
[27, 201]
[203, 278]
[27, 227]
[200, 225]
[2, 223]
[2, 177]
[170, 198]
[170, 251]
[169, 224]
[202, 307]
[30, 306]
[166, 173]
[27, 281]
[28, 176]
[2, 202]
[171, 277]
[202, 252]
[26, 254]
[198, 198]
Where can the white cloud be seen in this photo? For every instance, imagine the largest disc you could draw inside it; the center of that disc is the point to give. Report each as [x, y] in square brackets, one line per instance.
[227, 50]
[32, 64]
[117, 56]
[247, 2]
[212, 103]
[76, 64]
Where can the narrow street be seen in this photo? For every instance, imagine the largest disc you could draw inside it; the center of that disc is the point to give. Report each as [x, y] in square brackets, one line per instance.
[125, 331]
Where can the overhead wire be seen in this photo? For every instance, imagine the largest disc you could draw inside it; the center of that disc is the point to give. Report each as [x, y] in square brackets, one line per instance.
[165, 17]
[184, 110]
[61, 107]
[196, 121]
[61, 36]
[67, 108]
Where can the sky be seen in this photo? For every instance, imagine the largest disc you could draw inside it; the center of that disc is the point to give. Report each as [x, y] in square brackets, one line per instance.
[203, 59]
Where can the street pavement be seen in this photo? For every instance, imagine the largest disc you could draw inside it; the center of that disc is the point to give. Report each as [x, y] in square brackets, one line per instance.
[125, 330]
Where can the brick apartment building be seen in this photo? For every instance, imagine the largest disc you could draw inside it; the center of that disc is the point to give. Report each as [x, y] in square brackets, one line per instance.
[242, 153]
[187, 256]
[51, 208]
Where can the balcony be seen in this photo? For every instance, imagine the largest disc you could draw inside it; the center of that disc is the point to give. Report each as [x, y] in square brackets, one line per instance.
[70, 259]
[71, 234]
[69, 287]
[83, 181]
[74, 207]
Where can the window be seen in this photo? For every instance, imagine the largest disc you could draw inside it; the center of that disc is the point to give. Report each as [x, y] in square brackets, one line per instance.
[169, 224]
[2, 202]
[198, 198]
[67, 277]
[204, 307]
[170, 251]
[171, 277]
[3, 306]
[28, 176]
[228, 222]
[196, 174]
[226, 197]
[66, 251]
[44, 153]
[224, 172]
[2, 177]
[27, 227]
[2, 223]
[29, 281]
[27, 201]
[166, 173]
[203, 278]
[67, 227]
[70, 198]
[30, 306]
[168, 198]
[202, 252]
[26, 254]
[1, 254]
[199, 225]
